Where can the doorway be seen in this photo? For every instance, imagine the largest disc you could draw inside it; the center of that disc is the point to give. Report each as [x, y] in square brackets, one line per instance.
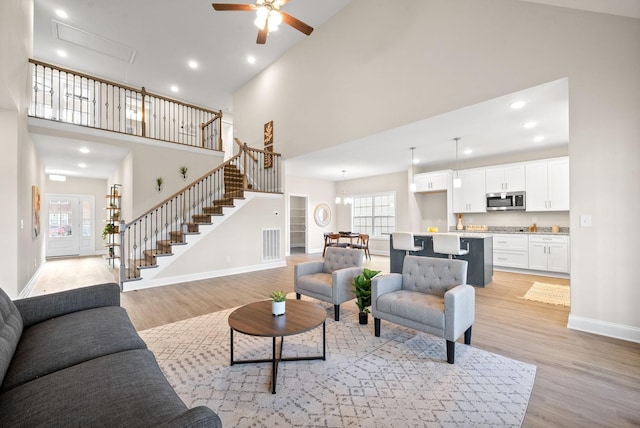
[297, 224]
[70, 225]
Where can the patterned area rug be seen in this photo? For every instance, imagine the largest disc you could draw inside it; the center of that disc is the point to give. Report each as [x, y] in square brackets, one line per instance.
[549, 293]
[400, 379]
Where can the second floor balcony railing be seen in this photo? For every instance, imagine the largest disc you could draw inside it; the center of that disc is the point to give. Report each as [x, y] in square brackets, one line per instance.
[72, 97]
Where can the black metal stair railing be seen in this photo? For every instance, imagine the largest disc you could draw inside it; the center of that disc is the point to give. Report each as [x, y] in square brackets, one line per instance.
[72, 97]
[153, 234]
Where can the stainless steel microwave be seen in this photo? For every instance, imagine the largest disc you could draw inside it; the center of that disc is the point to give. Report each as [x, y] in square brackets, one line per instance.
[506, 201]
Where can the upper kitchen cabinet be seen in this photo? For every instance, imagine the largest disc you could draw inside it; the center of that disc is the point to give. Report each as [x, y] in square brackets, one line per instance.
[432, 181]
[547, 185]
[505, 178]
[471, 196]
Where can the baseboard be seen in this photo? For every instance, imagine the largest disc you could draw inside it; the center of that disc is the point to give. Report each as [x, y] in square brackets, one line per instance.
[158, 282]
[604, 328]
[532, 272]
[32, 282]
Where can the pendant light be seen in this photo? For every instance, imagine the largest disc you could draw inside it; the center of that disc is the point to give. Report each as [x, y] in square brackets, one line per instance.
[345, 200]
[412, 186]
[457, 183]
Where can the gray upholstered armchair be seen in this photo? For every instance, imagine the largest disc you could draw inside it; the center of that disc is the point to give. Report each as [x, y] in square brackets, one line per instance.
[431, 295]
[329, 280]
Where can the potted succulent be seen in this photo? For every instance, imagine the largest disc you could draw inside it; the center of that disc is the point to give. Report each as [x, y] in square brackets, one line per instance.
[362, 290]
[278, 300]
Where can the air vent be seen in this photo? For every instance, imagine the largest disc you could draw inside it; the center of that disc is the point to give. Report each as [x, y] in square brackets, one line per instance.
[93, 42]
[270, 245]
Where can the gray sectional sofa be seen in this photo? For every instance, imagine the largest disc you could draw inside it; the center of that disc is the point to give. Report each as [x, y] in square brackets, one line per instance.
[74, 359]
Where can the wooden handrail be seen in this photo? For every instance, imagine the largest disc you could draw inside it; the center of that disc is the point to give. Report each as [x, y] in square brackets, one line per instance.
[184, 189]
[120, 85]
[242, 146]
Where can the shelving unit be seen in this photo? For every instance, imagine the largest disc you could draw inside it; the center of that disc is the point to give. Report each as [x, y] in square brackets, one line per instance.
[297, 218]
[113, 218]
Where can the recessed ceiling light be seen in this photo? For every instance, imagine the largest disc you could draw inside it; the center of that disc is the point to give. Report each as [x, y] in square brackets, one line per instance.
[84, 150]
[251, 59]
[82, 165]
[538, 138]
[517, 105]
[61, 53]
[467, 152]
[530, 124]
[193, 64]
[61, 14]
[174, 88]
[57, 177]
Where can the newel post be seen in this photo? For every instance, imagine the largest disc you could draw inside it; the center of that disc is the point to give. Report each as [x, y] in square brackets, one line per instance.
[245, 149]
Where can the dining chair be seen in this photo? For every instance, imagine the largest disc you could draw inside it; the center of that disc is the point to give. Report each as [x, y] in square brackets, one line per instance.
[363, 244]
[332, 240]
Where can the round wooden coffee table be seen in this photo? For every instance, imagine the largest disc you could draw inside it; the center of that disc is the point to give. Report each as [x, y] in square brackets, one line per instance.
[256, 319]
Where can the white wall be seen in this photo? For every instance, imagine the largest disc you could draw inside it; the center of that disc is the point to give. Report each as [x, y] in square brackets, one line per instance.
[234, 246]
[21, 254]
[149, 162]
[366, 71]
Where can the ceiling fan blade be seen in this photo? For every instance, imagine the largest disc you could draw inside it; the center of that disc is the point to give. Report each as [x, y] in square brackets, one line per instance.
[296, 23]
[230, 6]
[262, 34]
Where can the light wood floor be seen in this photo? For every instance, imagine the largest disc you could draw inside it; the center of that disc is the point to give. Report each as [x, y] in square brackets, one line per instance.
[583, 380]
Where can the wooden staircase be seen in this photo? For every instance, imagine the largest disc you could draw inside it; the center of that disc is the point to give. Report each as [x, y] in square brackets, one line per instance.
[234, 185]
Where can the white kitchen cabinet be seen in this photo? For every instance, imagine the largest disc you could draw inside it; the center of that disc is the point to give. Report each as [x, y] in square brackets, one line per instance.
[511, 250]
[432, 181]
[549, 253]
[547, 185]
[505, 178]
[471, 196]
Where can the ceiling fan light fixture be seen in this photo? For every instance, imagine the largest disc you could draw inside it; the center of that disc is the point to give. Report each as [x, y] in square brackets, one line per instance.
[275, 18]
[267, 16]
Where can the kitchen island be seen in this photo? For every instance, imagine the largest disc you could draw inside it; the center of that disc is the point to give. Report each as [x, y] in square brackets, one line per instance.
[480, 257]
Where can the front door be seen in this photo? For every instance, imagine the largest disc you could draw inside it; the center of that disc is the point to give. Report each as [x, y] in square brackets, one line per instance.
[70, 225]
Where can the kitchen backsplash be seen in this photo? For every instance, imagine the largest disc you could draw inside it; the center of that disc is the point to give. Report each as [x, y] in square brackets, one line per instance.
[513, 229]
[433, 212]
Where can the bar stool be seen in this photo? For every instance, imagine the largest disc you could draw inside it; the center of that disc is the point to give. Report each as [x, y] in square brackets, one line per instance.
[449, 244]
[404, 241]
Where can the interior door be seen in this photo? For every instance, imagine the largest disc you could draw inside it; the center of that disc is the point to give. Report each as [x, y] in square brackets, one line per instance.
[70, 225]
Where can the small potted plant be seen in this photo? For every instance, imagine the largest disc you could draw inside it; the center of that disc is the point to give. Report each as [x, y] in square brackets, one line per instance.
[278, 300]
[362, 290]
[159, 182]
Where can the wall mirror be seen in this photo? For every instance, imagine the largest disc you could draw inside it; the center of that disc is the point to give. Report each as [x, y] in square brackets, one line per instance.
[322, 215]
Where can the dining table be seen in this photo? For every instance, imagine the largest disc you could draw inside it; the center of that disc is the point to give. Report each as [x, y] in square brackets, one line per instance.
[350, 236]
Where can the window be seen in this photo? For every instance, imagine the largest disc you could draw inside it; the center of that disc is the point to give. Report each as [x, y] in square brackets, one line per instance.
[374, 215]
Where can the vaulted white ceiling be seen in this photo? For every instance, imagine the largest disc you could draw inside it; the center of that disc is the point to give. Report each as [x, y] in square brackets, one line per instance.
[149, 43]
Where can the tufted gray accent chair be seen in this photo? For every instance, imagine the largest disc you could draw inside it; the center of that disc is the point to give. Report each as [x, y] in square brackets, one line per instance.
[431, 295]
[330, 280]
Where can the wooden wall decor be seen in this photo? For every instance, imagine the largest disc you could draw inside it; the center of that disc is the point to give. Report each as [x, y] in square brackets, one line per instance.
[268, 144]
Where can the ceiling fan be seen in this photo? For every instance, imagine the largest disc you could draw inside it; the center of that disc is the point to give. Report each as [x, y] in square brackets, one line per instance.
[268, 17]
